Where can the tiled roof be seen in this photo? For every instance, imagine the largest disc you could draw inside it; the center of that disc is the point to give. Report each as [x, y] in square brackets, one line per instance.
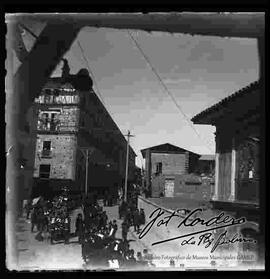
[227, 100]
[166, 147]
[207, 157]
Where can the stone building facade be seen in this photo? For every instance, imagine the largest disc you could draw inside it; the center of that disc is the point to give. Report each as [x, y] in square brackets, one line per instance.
[71, 118]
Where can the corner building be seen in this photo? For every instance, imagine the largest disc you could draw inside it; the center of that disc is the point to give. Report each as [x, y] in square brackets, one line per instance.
[70, 118]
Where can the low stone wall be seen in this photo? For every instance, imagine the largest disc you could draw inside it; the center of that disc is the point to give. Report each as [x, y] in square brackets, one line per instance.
[176, 247]
[162, 232]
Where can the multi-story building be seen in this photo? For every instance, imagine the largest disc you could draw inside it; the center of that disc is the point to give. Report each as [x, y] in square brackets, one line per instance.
[164, 166]
[71, 120]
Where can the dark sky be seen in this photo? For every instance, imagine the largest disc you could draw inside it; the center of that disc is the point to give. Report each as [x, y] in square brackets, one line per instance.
[199, 71]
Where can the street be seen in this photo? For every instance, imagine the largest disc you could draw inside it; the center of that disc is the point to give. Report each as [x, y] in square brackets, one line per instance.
[89, 142]
[34, 254]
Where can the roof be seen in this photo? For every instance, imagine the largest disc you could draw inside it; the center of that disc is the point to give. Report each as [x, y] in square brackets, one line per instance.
[207, 157]
[243, 92]
[166, 147]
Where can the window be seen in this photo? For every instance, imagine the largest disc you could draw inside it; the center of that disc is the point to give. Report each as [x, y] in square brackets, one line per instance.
[44, 171]
[49, 121]
[46, 145]
[45, 117]
[53, 122]
[46, 152]
[159, 168]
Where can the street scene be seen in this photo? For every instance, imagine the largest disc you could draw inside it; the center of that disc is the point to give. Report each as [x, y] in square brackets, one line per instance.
[135, 144]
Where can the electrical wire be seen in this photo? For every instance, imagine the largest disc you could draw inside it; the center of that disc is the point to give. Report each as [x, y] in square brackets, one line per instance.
[167, 90]
[28, 30]
[95, 83]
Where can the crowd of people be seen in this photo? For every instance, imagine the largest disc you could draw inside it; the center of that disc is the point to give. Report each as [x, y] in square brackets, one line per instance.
[101, 247]
[96, 233]
[51, 218]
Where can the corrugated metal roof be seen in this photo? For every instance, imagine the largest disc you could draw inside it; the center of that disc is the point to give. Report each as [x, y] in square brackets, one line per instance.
[227, 100]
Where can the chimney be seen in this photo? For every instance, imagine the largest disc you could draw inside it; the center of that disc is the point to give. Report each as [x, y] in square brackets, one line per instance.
[65, 69]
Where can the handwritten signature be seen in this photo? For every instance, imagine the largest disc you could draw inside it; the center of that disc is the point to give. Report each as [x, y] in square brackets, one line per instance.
[206, 237]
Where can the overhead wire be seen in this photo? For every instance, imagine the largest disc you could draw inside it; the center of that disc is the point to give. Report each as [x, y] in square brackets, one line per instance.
[167, 90]
[95, 83]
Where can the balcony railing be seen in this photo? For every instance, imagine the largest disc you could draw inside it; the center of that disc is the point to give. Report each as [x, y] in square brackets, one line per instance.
[50, 126]
[67, 98]
[46, 153]
[56, 127]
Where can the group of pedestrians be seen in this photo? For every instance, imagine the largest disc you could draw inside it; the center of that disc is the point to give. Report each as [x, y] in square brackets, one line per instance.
[131, 216]
[96, 234]
[50, 218]
[101, 247]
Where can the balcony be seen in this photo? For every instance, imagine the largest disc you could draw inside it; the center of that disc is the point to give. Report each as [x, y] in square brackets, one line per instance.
[63, 98]
[51, 126]
[46, 154]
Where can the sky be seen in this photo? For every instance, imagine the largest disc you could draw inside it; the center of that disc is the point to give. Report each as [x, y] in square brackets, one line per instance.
[199, 71]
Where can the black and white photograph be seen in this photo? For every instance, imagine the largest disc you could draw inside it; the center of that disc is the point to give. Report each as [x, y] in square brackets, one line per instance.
[134, 141]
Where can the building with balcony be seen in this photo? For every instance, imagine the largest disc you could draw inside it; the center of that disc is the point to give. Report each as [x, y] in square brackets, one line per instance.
[71, 119]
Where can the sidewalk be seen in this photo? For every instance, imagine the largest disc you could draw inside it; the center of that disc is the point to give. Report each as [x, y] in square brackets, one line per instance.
[38, 255]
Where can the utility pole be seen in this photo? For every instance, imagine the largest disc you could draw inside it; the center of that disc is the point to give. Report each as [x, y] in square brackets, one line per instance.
[126, 178]
[86, 151]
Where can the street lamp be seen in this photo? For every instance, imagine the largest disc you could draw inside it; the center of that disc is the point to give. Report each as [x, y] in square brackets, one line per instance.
[86, 151]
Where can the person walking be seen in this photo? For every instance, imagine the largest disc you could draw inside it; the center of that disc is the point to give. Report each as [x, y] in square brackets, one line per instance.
[34, 219]
[142, 217]
[114, 227]
[124, 230]
[28, 208]
[40, 219]
[136, 221]
[66, 228]
[129, 217]
[104, 219]
[79, 227]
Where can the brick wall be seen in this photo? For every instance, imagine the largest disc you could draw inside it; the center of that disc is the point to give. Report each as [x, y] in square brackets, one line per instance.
[63, 156]
[171, 163]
